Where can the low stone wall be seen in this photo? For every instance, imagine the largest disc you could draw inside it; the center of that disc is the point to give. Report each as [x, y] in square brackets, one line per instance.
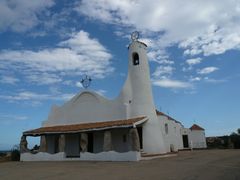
[86, 156]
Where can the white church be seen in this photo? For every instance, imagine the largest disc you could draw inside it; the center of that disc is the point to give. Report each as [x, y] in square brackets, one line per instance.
[91, 127]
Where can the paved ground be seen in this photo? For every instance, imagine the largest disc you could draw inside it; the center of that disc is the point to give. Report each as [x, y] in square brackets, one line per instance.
[204, 164]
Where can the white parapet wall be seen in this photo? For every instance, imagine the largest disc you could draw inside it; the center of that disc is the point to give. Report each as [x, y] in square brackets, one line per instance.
[102, 156]
[111, 156]
[42, 156]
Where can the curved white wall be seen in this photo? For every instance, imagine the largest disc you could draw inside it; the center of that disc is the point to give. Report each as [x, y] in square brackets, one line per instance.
[86, 107]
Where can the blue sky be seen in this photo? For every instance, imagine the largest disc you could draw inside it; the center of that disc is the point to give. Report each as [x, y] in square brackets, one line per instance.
[46, 47]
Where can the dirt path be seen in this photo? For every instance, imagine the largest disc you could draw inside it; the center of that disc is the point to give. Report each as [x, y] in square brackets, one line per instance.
[205, 164]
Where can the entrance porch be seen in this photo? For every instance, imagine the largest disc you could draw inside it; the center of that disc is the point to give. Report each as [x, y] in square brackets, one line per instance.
[100, 141]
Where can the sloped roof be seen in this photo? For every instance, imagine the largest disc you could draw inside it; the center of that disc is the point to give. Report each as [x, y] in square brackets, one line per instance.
[159, 113]
[196, 127]
[83, 127]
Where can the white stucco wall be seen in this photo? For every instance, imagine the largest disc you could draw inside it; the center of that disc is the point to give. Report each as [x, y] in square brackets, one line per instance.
[172, 139]
[111, 156]
[198, 139]
[103, 156]
[85, 107]
[138, 91]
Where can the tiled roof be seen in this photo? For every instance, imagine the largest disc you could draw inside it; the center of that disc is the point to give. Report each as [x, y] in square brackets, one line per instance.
[169, 117]
[85, 126]
[196, 127]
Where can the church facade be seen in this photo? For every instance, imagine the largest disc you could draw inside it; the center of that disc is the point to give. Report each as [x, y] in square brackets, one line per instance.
[91, 127]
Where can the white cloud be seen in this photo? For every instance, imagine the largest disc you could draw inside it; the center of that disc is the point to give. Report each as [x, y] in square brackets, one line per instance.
[79, 84]
[201, 26]
[214, 81]
[8, 119]
[169, 83]
[43, 78]
[193, 61]
[207, 70]
[8, 80]
[195, 79]
[101, 92]
[21, 15]
[12, 117]
[35, 97]
[77, 55]
[163, 70]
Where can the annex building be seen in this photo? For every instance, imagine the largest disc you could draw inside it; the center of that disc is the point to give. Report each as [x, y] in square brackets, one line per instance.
[91, 127]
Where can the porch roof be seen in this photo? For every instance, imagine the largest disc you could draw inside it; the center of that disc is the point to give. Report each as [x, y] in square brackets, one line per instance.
[84, 127]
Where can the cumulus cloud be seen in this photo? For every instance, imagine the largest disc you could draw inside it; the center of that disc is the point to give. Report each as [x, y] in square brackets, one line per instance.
[21, 15]
[163, 71]
[8, 119]
[207, 27]
[193, 61]
[8, 80]
[43, 78]
[207, 70]
[35, 97]
[169, 83]
[192, 79]
[75, 56]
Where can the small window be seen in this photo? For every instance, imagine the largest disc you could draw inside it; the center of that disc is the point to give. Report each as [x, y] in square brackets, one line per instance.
[135, 59]
[166, 128]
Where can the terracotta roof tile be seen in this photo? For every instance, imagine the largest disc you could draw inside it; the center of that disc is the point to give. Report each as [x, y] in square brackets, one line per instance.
[83, 127]
[196, 127]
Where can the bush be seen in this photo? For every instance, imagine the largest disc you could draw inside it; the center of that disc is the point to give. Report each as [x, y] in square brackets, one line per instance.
[235, 138]
[15, 154]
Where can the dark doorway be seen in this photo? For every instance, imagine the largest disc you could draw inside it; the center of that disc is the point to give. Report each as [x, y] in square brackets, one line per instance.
[56, 144]
[90, 142]
[72, 146]
[185, 141]
[139, 129]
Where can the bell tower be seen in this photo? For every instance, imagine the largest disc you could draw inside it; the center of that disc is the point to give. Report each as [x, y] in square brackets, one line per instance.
[138, 92]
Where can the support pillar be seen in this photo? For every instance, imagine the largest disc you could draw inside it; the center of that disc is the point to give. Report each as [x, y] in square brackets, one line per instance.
[43, 144]
[84, 142]
[135, 139]
[23, 144]
[61, 143]
[107, 141]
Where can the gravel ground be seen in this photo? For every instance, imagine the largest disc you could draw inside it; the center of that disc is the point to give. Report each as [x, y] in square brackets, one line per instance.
[202, 164]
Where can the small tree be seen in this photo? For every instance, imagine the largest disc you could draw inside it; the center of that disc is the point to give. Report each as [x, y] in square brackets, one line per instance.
[15, 153]
[235, 138]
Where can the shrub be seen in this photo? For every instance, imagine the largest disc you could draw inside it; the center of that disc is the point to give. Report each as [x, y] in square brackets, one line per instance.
[15, 154]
